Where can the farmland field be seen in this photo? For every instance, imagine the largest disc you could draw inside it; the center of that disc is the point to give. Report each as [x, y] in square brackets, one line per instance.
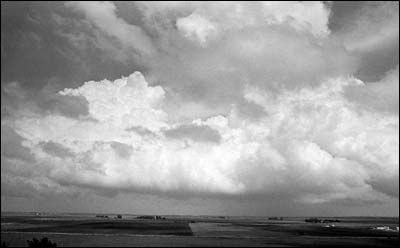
[89, 230]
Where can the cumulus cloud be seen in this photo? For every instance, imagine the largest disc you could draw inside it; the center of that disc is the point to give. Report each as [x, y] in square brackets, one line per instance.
[241, 99]
[311, 144]
[209, 20]
[208, 52]
[197, 28]
[126, 101]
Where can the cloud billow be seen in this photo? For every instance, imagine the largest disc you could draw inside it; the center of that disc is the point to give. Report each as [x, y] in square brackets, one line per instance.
[195, 133]
[312, 143]
[238, 100]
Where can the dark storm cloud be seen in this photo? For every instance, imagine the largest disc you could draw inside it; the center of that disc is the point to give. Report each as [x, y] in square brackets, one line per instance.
[382, 95]
[375, 63]
[11, 97]
[11, 145]
[16, 190]
[29, 42]
[45, 101]
[250, 110]
[370, 31]
[342, 12]
[70, 106]
[388, 186]
[47, 43]
[17, 187]
[56, 149]
[123, 150]
[195, 133]
[140, 130]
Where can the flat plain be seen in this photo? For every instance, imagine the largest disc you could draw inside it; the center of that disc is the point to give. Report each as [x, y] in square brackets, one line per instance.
[129, 230]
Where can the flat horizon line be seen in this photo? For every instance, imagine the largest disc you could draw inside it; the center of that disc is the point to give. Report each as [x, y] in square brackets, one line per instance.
[208, 215]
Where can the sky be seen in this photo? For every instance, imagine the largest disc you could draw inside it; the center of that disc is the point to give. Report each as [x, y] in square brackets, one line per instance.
[200, 108]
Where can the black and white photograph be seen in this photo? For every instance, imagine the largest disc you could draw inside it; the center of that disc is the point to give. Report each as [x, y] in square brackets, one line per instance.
[199, 123]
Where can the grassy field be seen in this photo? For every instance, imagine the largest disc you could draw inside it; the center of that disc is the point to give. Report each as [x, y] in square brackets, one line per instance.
[112, 227]
[87, 230]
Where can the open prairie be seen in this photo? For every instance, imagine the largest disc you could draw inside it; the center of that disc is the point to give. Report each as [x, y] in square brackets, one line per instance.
[129, 230]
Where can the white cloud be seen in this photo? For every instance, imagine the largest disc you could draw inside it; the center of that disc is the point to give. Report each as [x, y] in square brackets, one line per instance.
[240, 42]
[125, 102]
[270, 57]
[211, 19]
[196, 27]
[263, 107]
[303, 16]
[312, 145]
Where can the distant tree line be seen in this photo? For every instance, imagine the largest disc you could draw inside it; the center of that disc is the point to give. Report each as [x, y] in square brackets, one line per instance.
[35, 243]
[317, 220]
[43, 243]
